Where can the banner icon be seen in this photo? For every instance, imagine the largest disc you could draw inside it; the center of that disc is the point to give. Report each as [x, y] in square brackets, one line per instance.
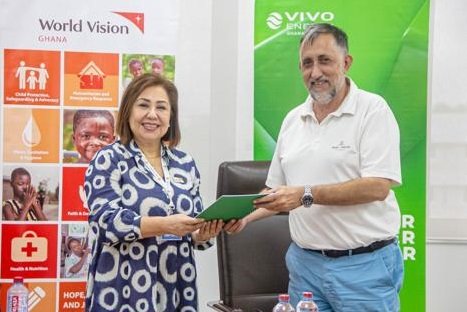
[29, 248]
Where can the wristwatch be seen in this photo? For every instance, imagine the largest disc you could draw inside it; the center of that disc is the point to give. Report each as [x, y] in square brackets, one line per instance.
[307, 198]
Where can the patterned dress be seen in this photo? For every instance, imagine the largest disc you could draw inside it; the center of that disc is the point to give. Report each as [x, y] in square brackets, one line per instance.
[128, 272]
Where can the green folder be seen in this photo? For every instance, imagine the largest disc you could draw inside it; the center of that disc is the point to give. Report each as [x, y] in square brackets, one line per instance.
[229, 207]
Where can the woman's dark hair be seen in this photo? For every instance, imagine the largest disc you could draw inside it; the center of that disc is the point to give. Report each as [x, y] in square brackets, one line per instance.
[134, 89]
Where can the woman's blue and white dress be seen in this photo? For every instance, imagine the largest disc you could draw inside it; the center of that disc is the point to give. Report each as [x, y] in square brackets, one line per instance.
[128, 272]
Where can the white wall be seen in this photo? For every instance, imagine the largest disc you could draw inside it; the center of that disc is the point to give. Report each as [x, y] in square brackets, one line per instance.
[194, 59]
[446, 276]
[215, 78]
[447, 183]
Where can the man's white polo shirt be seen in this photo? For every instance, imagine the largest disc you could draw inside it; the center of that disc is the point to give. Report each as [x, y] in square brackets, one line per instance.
[359, 139]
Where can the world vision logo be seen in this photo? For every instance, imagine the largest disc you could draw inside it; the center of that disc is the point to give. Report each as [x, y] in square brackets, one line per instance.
[136, 18]
[64, 27]
[93, 26]
[294, 23]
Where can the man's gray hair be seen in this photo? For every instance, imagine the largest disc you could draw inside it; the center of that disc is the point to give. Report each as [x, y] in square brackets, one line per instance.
[314, 30]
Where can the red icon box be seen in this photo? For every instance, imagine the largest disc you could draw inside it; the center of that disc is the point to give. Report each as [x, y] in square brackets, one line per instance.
[29, 250]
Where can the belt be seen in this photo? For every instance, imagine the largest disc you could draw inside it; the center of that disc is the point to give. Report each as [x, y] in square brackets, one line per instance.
[360, 250]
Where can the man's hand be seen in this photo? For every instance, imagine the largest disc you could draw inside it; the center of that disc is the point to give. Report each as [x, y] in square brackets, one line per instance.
[235, 226]
[282, 198]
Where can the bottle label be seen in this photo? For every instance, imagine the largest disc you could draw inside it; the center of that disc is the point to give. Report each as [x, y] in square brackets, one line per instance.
[14, 303]
[17, 304]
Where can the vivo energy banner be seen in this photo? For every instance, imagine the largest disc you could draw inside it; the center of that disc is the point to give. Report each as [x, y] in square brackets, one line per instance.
[63, 69]
[389, 43]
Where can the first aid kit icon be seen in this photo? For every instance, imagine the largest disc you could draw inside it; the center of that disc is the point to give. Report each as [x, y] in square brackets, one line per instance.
[29, 248]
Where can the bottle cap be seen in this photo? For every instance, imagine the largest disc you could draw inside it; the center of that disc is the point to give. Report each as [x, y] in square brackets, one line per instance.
[307, 294]
[17, 279]
[284, 297]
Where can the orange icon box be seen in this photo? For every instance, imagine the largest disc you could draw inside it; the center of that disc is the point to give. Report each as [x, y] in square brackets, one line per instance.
[91, 79]
[31, 135]
[32, 77]
[42, 296]
[72, 296]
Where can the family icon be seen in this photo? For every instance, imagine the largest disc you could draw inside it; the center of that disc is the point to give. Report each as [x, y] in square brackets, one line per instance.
[35, 75]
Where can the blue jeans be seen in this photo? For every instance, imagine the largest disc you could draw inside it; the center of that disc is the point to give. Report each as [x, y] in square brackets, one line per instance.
[368, 282]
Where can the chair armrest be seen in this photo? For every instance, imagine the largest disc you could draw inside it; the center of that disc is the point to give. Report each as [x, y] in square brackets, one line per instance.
[220, 306]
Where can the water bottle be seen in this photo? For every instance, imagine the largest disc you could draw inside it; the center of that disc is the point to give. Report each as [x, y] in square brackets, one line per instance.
[17, 296]
[307, 304]
[283, 305]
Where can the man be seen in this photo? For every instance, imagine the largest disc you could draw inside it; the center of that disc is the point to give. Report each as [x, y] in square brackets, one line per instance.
[336, 158]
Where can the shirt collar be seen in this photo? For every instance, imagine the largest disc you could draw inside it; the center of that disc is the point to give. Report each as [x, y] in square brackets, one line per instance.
[135, 151]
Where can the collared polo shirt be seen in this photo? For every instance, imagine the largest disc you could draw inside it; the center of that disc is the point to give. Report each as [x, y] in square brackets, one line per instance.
[359, 139]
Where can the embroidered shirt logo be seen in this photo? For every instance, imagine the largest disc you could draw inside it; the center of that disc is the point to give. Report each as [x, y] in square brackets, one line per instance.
[340, 146]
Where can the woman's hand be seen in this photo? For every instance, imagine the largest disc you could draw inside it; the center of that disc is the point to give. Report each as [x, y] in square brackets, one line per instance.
[180, 224]
[208, 230]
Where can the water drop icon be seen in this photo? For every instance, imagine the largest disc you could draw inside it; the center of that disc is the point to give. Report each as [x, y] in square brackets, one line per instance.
[31, 133]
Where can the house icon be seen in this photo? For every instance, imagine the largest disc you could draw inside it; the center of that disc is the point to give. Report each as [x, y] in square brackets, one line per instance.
[91, 77]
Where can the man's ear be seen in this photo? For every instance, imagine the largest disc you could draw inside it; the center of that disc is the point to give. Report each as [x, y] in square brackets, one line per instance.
[348, 62]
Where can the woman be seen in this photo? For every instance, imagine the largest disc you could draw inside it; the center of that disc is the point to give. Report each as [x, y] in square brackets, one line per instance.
[143, 195]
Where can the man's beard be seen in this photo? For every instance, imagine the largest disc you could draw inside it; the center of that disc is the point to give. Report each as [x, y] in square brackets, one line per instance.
[327, 96]
[323, 98]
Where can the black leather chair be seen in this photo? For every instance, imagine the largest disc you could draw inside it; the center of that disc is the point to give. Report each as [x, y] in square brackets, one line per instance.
[252, 269]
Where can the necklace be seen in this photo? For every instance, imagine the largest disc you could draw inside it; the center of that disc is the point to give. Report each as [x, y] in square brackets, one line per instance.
[152, 158]
[161, 175]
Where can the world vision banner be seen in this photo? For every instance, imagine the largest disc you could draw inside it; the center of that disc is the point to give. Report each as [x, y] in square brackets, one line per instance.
[389, 44]
[63, 69]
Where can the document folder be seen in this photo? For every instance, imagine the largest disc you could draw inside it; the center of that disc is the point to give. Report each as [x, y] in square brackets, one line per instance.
[229, 207]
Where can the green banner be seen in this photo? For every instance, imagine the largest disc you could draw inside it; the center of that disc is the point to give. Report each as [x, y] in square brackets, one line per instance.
[389, 44]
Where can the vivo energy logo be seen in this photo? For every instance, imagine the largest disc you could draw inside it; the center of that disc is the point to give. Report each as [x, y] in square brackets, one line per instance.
[295, 22]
